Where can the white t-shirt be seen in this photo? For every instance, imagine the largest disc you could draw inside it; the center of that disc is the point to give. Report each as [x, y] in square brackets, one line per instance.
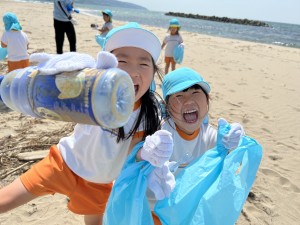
[171, 42]
[93, 152]
[17, 42]
[205, 140]
[107, 25]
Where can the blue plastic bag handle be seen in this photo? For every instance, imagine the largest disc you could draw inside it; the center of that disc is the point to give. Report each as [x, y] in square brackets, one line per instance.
[127, 203]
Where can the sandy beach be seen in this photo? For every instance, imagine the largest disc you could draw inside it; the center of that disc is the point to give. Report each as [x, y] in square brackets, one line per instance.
[254, 84]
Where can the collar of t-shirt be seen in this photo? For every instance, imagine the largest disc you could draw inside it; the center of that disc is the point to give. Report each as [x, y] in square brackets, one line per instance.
[187, 137]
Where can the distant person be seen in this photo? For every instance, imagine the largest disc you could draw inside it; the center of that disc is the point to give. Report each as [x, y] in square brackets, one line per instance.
[63, 23]
[107, 26]
[16, 42]
[171, 41]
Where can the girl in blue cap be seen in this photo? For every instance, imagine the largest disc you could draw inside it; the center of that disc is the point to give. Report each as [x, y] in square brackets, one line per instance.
[16, 42]
[170, 42]
[107, 26]
[186, 95]
[84, 165]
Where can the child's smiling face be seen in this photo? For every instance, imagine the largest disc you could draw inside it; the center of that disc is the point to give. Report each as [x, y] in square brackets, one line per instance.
[188, 109]
[138, 64]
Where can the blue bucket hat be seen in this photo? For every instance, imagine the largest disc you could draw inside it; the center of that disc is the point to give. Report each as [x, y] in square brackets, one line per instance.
[133, 35]
[11, 22]
[174, 23]
[108, 12]
[181, 79]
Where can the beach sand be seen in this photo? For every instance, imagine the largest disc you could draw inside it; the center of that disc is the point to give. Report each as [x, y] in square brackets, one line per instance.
[253, 84]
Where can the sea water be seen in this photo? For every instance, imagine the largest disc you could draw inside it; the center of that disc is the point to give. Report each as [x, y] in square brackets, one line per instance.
[277, 34]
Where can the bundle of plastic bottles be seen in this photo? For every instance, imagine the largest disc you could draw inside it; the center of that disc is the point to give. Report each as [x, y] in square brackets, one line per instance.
[88, 96]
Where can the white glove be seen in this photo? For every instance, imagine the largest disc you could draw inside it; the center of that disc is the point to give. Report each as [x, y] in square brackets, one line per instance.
[232, 138]
[161, 181]
[51, 64]
[158, 148]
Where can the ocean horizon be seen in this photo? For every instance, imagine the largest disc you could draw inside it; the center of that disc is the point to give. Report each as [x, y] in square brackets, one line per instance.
[281, 34]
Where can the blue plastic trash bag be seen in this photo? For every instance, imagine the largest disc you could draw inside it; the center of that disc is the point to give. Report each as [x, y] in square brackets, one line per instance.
[100, 39]
[178, 53]
[3, 53]
[128, 203]
[213, 189]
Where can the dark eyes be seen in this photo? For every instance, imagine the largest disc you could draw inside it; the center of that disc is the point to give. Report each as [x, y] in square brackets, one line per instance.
[196, 92]
[141, 64]
[144, 64]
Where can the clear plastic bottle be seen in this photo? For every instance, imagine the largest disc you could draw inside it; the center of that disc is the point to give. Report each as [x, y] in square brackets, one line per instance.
[88, 96]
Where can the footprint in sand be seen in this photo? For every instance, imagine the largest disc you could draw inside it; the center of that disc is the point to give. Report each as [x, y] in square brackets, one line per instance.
[284, 182]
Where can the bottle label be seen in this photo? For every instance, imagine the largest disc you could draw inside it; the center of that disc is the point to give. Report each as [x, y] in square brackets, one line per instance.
[65, 96]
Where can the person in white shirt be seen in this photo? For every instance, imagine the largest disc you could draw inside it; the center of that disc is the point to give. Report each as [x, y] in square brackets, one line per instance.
[170, 42]
[16, 42]
[107, 26]
[186, 96]
[84, 165]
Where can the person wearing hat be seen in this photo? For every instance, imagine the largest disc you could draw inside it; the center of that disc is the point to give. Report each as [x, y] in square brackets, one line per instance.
[170, 42]
[107, 26]
[186, 96]
[84, 165]
[16, 42]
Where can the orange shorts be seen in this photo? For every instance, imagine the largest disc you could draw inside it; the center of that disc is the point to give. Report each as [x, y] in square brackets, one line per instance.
[156, 220]
[52, 175]
[13, 65]
[170, 60]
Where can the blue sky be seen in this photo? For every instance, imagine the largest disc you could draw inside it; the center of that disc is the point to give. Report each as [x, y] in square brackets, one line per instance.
[285, 11]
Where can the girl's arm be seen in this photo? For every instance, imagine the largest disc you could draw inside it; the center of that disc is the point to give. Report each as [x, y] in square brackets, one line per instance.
[102, 30]
[3, 45]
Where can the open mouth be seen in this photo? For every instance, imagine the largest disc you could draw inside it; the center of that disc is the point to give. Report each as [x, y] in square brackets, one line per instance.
[136, 89]
[190, 116]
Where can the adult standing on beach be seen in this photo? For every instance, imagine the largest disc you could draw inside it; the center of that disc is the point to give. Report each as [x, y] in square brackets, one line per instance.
[63, 23]
[171, 41]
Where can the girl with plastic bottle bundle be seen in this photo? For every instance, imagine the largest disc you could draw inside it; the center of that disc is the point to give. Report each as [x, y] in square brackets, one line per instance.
[84, 165]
